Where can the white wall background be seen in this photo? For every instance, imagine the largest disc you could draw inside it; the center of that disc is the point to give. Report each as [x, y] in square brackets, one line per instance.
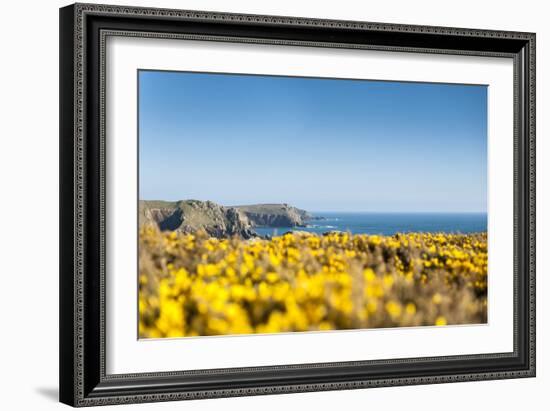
[29, 204]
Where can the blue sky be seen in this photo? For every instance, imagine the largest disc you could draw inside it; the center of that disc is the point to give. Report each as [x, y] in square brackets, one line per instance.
[318, 144]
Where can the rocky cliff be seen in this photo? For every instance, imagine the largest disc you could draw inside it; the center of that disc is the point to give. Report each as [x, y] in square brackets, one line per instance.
[188, 216]
[275, 215]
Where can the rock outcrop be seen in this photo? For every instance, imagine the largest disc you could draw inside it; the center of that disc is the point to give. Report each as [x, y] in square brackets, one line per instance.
[275, 215]
[188, 216]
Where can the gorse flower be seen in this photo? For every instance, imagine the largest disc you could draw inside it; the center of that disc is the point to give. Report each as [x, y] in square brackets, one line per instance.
[191, 284]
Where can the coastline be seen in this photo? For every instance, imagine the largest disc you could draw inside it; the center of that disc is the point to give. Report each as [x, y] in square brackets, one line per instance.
[386, 223]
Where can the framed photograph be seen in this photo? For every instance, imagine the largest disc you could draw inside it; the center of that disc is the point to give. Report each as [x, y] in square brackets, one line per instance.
[261, 204]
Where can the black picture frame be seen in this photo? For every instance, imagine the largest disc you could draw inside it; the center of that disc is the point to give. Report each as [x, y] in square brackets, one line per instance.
[83, 29]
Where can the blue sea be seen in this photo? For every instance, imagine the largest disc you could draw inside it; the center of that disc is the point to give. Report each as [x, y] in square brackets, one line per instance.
[387, 223]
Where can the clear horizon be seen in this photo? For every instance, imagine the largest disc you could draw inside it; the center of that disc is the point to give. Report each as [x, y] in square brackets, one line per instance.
[242, 139]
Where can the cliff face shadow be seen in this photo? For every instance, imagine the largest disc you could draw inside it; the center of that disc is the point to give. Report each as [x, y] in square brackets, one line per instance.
[50, 393]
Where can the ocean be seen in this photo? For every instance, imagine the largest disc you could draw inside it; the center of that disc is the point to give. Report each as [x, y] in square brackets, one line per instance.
[387, 223]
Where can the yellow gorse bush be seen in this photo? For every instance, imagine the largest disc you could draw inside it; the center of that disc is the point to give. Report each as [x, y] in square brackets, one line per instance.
[192, 284]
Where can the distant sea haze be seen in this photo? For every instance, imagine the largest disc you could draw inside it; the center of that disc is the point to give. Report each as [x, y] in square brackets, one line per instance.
[387, 223]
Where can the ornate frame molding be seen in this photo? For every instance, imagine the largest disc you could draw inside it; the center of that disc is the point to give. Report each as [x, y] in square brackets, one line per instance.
[83, 41]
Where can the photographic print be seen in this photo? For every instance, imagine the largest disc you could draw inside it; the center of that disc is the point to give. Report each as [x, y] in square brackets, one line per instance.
[276, 204]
